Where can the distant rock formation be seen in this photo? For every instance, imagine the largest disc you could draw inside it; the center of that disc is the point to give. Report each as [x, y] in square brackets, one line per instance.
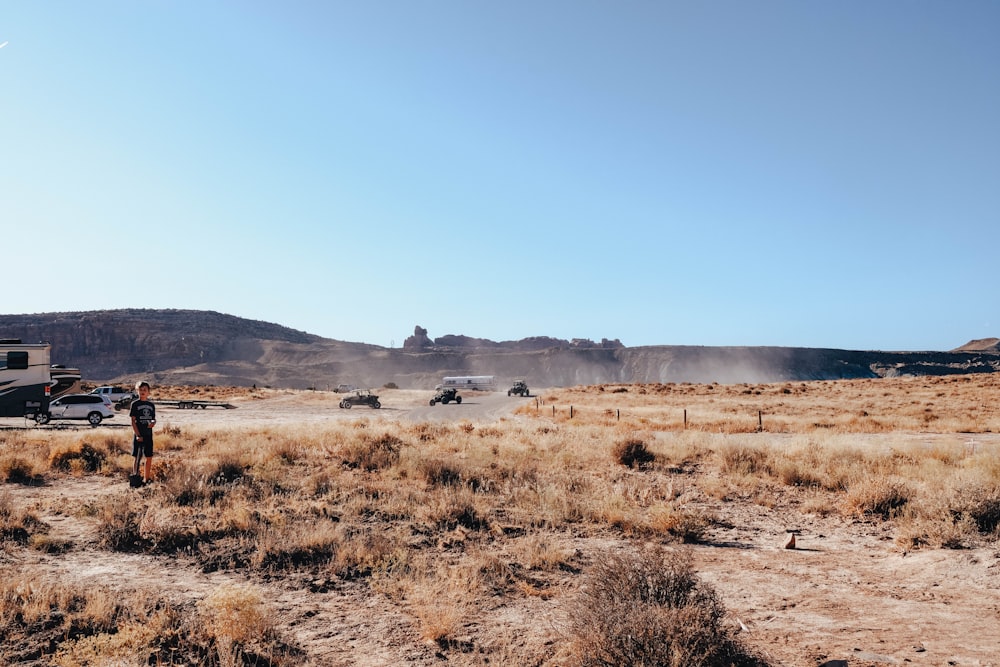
[419, 340]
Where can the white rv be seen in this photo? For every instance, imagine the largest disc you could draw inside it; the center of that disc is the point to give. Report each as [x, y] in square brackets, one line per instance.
[25, 378]
[483, 382]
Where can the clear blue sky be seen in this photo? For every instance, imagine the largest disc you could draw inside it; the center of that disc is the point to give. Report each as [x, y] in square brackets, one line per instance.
[818, 174]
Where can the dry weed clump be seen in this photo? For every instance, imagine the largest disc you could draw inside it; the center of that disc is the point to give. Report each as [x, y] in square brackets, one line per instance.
[15, 469]
[236, 612]
[650, 608]
[960, 517]
[632, 453]
[68, 625]
[437, 593]
[79, 457]
[119, 519]
[372, 452]
[879, 497]
[17, 525]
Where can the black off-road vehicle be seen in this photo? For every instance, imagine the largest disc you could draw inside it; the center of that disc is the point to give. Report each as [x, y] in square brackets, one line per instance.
[520, 388]
[363, 397]
[446, 396]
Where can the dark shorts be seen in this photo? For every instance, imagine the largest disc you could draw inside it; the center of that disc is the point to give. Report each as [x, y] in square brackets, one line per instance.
[144, 448]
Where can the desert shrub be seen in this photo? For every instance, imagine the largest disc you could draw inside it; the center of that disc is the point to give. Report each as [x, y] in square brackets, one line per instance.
[108, 648]
[318, 484]
[18, 470]
[229, 469]
[235, 614]
[439, 473]
[450, 509]
[119, 518]
[689, 526]
[296, 544]
[982, 505]
[77, 456]
[373, 452]
[632, 453]
[16, 525]
[539, 552]
[933, 524]
[47, 622]
[743, 459]
[650, 608]
[798, 473]
[362, 552]
[876, 497]
[183, 486]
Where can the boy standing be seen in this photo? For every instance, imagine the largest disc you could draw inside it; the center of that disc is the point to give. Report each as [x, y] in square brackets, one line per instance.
[143, 414]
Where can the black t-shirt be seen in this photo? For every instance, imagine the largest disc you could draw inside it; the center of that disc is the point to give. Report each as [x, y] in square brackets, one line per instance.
[144, 413]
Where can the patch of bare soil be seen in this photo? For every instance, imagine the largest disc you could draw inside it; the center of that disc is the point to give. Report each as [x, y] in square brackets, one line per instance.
[846, 592]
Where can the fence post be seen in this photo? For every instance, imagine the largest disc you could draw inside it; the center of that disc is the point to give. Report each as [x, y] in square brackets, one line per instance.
[619, 414]
[685, 418]
[571, 412]
[760, 420]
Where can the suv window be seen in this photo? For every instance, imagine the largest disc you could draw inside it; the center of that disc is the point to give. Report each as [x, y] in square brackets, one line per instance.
[76, 400]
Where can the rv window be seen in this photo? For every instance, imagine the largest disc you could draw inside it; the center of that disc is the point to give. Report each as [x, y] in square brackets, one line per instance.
[17, 360]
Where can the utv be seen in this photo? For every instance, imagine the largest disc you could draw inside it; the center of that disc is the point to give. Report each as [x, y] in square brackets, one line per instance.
[446, 396]
[363, 397]
[520, 388]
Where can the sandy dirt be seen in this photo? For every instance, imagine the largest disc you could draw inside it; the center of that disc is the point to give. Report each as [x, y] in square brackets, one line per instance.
[847, 592]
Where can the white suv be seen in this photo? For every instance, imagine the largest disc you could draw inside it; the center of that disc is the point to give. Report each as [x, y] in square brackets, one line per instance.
[92, 407]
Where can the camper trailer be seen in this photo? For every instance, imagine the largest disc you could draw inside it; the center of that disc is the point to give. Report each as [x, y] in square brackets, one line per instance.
[483, 382]
[25, 378]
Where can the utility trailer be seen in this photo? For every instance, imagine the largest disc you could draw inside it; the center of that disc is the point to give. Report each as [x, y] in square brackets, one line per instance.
[25, 378]
[189, 404]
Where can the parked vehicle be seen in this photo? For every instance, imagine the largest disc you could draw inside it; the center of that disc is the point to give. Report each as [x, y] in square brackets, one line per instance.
[344, 389]
[484, 382]
[25, 378]
[520, 388]
[446, 395]
[119, 396]
[92, 407]
[363, 397]
[64, 381]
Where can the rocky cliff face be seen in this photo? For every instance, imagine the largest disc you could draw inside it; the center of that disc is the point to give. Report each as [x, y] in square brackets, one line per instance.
[202, 347]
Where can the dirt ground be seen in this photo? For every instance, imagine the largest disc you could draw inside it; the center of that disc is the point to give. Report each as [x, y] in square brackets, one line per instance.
[846, 595]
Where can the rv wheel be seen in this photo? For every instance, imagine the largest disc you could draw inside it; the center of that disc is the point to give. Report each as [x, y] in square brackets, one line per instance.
[42, 417]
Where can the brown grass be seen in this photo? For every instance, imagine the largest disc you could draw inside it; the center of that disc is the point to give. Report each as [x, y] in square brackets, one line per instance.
[440, 518]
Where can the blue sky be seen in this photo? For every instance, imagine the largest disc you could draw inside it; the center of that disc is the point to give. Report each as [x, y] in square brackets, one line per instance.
[792, 173]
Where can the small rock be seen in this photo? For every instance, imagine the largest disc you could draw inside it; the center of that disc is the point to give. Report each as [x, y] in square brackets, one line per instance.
[790, 542]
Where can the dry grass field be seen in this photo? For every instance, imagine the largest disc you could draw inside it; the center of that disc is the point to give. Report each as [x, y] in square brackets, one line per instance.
[670, 524]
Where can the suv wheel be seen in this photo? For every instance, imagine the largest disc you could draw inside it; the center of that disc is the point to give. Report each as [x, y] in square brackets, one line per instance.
[94, 418]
